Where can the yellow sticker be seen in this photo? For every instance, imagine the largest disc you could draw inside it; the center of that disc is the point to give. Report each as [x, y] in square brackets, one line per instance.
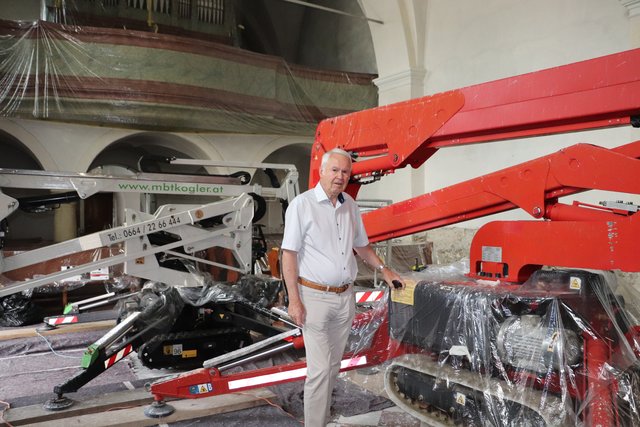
[575, 283]
[404, 296]
[167, 350]
[186, 354]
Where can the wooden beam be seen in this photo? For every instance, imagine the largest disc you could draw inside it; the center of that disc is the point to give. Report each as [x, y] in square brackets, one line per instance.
[127, 409]
[27, 332]
[36, 413]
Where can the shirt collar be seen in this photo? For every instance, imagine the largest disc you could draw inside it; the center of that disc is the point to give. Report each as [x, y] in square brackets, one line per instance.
[321, 195]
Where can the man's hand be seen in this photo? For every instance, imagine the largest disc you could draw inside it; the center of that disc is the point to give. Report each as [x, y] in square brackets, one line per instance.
[393, 279]
[297, 312]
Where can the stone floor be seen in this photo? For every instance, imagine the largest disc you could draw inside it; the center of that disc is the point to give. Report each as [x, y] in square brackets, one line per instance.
[390, 417]
[372, 380]
[30, 366]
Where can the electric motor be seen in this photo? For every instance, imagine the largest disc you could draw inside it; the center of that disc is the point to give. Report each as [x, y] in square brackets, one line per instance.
[526, 342]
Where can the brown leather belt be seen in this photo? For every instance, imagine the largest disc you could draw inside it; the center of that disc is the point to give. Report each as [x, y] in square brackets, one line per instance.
[319, 287]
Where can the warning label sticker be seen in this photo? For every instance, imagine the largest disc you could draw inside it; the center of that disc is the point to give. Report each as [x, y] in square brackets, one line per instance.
[575, 283]
[187, 354]
[200, 388]
[460, 398]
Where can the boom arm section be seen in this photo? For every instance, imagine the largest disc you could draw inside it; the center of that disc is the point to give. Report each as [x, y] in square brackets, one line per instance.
[597, 93]
[179, 230]
[533, 186]
[138, 254]
[600, 92]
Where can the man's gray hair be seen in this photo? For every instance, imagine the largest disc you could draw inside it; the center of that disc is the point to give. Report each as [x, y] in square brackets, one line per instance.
[338, 151]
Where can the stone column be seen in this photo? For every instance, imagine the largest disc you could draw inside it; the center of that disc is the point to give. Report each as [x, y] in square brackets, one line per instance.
[406, 84]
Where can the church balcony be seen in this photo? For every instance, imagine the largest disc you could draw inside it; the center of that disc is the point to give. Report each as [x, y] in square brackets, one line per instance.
[146, 80]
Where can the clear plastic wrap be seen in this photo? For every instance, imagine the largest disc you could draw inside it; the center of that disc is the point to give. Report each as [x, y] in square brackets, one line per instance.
[560, 349]
[374, 315]
[260, 290]
[18, 310]
[31, 305]
[160, 301]
[111, 277]
[120, 77]
[160, 305]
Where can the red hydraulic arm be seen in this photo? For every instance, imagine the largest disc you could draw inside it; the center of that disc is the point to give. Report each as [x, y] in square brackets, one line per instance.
[596, 93]
[532, 186]
[601, 92]
[578, 235]
[206, 382]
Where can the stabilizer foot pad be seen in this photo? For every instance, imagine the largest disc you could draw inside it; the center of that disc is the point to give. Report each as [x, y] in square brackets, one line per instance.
[46, 327]
[159, 410]
[58, 403]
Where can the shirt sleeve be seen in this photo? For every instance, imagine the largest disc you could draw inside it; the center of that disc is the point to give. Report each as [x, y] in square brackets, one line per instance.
[293, 234]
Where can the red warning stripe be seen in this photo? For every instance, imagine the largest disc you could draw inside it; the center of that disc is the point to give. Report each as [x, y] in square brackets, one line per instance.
[368, 296]
[117, 356]
[62, 320]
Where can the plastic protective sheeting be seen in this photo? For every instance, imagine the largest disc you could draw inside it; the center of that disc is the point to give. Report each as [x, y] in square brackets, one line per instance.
[113, 277]
[160, 301]
[23, 308]
[560, 349]
[372, 321]
[18, 310]
[262, 291]
[147, 80]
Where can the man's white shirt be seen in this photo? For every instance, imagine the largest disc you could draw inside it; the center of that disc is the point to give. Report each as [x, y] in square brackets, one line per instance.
[324, 236]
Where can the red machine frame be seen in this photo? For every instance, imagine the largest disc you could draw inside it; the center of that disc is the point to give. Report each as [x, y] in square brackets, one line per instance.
[602, 92]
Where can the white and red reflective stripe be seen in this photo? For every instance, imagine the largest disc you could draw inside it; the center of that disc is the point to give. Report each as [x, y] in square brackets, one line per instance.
[268, 378]
[368, 296]
[354, 361]
[289, 375]
[117, 356]
[62, 320]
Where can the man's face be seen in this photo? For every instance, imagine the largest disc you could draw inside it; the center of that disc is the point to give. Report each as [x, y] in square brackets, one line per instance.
[334, 177]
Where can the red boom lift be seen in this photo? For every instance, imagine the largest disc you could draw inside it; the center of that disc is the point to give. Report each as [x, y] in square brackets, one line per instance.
[511, 344]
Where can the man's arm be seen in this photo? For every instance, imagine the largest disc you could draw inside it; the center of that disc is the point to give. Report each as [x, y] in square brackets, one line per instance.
[369, 256]
[296, 309]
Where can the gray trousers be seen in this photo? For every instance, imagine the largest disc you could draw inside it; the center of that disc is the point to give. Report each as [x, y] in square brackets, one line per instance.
[326, 330]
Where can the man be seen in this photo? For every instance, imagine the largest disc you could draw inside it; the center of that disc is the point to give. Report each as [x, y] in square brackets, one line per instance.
[322, 229]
